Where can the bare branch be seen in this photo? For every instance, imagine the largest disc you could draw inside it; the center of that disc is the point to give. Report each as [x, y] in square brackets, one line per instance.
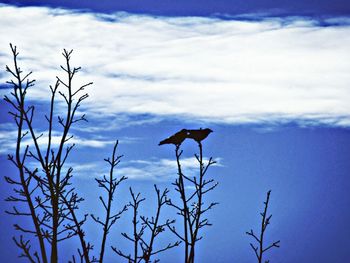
[259, 250]
[25, 247]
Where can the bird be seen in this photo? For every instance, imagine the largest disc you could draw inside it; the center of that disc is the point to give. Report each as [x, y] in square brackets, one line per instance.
[176, 138]
[198, 135]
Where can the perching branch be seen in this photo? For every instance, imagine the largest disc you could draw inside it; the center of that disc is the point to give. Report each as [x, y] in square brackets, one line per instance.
[192, 207]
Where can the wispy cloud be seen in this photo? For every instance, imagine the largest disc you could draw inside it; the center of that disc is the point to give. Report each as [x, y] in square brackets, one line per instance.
[8, 135]
[113, 122]
[160, 169]
[152, 169]
[231, 71]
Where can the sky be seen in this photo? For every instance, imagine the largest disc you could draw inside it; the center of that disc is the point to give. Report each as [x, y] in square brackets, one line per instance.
[270, 78]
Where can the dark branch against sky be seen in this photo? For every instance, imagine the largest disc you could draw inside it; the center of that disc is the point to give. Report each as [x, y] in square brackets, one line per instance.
[289, 74]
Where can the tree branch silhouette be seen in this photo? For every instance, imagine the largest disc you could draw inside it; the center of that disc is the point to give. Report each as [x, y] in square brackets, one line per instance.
[156, 228]
[260, 249]
[44, 193]
[24, 190]
[46, 189]
[109, 184]
[192, 207]
[137, 233]
[152, 224]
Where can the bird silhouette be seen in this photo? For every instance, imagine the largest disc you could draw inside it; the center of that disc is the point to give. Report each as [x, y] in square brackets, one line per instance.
[176, 138]
[198, 135]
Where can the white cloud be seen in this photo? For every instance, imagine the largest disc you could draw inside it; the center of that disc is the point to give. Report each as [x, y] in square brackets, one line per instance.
[88, 170]
[116, 122]
[160, 169]
[79, 141]
[201, 68]
[153, 169]
[8, 135]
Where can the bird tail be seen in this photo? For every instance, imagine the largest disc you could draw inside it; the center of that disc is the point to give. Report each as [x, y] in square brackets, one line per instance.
[162, 142]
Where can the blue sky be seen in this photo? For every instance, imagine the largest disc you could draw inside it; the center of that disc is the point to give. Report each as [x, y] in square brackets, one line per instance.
[200, 8]
[271, 78]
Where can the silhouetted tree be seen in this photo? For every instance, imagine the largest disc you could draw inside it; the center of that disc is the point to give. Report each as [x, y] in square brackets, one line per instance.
[109, 184]
[144, 248]
[46, 189]
[44, 193]
[192, 207]
[260, 249]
